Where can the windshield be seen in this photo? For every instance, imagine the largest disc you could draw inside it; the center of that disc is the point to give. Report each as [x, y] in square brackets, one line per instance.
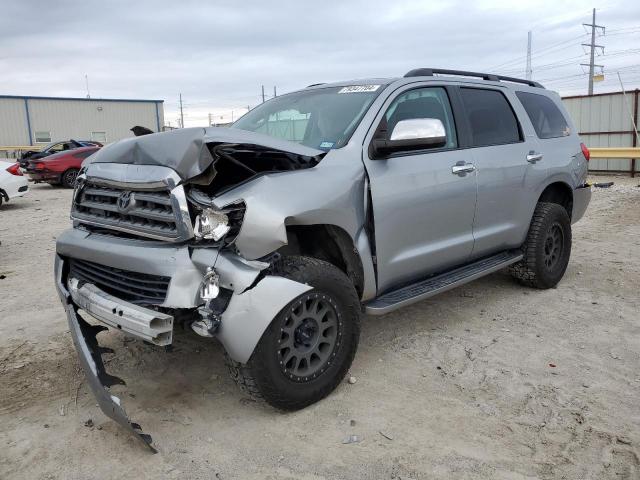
[321, 118]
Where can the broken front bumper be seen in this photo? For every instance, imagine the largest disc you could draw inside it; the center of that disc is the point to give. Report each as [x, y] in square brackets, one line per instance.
[90, 356]
[254, 303]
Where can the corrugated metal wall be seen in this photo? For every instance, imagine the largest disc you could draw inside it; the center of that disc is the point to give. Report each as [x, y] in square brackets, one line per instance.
[603, 120]
[75, 118]
[13, 122]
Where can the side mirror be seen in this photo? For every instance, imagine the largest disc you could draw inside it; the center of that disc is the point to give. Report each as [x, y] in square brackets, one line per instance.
[412, 134]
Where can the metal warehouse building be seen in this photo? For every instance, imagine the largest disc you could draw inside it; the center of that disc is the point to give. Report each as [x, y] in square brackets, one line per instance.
[606, 120]
[39, 120]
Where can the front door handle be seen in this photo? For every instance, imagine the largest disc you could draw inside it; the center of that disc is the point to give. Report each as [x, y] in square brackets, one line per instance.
[462, 168]
[533, 157]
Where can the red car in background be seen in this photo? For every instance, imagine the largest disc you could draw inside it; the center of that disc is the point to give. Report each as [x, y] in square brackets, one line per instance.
[60, 168]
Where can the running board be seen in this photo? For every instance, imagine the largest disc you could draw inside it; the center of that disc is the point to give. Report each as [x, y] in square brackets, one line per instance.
[440, 283]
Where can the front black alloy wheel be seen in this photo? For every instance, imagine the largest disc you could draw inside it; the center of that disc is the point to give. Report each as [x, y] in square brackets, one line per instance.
[68, 179]
[308, 348]
[309, 335]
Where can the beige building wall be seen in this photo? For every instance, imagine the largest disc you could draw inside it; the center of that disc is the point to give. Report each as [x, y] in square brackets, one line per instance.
[604, 120]
[103, 120]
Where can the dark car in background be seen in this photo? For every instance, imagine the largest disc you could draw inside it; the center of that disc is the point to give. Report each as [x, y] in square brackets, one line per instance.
[59, 168]
[55, 147]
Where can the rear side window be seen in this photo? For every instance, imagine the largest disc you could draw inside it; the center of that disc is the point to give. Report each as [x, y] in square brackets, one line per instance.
[491, 118]
[546, 117]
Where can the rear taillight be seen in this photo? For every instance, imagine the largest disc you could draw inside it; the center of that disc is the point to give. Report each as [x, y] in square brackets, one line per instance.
[39, 166]
[585, 151]
[15, 169]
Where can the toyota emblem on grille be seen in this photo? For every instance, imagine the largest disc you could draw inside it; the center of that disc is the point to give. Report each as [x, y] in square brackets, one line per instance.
[125, 201]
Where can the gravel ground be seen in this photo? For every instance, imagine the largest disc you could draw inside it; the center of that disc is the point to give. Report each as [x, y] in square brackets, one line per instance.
[491, 380]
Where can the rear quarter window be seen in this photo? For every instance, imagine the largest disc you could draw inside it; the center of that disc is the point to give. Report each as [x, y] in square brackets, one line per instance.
[546, 117]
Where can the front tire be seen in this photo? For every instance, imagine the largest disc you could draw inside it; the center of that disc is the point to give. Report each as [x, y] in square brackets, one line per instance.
[547, 248]
[308, 348]
[68, 178]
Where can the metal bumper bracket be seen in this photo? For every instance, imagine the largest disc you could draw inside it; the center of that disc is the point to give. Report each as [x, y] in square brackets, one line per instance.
[154, 327]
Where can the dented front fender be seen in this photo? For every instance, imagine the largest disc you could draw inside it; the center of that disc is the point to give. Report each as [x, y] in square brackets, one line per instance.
[250, 313]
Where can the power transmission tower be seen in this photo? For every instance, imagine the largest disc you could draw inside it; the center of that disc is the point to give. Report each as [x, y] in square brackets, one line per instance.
[262, 93]
[593, 47]
[181, 113]
[529, 72]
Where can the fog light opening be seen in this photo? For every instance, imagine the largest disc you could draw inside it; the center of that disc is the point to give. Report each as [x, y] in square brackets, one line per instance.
[210, 287]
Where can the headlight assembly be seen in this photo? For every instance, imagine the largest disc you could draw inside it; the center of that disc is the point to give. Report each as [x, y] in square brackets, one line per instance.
[211, 224]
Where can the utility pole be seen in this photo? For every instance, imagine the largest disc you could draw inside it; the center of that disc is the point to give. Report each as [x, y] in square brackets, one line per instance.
[86, 80]
[529, 72]
[181, 113]
[593, 47]
[210, 123]
[275, 94]
[262, 93]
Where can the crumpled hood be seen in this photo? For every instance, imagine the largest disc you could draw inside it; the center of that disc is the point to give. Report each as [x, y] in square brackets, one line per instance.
[185, 150]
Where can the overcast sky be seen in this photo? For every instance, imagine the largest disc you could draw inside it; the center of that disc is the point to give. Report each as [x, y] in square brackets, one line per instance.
[218, 54]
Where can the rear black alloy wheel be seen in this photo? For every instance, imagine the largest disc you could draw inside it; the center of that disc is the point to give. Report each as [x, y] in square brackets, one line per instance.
[547, 249]
[553, 245]
[308, 348]
[309, 335]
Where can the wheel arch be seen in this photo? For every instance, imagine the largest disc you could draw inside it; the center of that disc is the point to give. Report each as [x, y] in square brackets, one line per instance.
[558, 192]
[330, 243]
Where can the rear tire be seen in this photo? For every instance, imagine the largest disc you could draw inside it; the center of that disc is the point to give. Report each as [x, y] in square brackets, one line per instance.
[68, 178]
[547, 248]
[308, 348]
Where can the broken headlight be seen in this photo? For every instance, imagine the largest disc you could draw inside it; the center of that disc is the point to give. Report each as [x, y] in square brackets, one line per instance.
[211, 224]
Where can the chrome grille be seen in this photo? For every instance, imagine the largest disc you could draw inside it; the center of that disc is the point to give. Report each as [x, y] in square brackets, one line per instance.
[133, 287]
[145, 213]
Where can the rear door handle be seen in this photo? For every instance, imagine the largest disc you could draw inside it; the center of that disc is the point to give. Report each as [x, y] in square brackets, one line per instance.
[462, 168]
[533, 157]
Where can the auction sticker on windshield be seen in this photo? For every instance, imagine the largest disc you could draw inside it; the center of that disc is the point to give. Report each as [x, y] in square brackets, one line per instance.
[359, 89]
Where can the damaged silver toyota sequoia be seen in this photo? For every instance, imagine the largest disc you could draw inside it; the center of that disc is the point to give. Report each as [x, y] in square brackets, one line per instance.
[275, 235]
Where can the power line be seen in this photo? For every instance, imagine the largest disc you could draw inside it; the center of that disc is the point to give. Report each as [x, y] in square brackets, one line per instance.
[539, 53]
[593, 47]
[181, 113]
[528, 71]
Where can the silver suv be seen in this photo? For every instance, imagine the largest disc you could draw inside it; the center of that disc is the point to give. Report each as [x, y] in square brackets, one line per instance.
[274, 236]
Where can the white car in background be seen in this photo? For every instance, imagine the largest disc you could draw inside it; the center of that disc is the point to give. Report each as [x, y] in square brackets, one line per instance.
[12, 182]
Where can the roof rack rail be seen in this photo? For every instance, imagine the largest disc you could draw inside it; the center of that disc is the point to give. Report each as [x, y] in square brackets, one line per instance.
[429, 72]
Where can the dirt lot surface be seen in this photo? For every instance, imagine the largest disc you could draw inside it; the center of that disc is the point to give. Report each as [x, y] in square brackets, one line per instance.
[491, 380]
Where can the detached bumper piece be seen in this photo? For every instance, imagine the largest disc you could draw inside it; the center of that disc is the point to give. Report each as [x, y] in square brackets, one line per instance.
[140, 322]
[90, 354]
